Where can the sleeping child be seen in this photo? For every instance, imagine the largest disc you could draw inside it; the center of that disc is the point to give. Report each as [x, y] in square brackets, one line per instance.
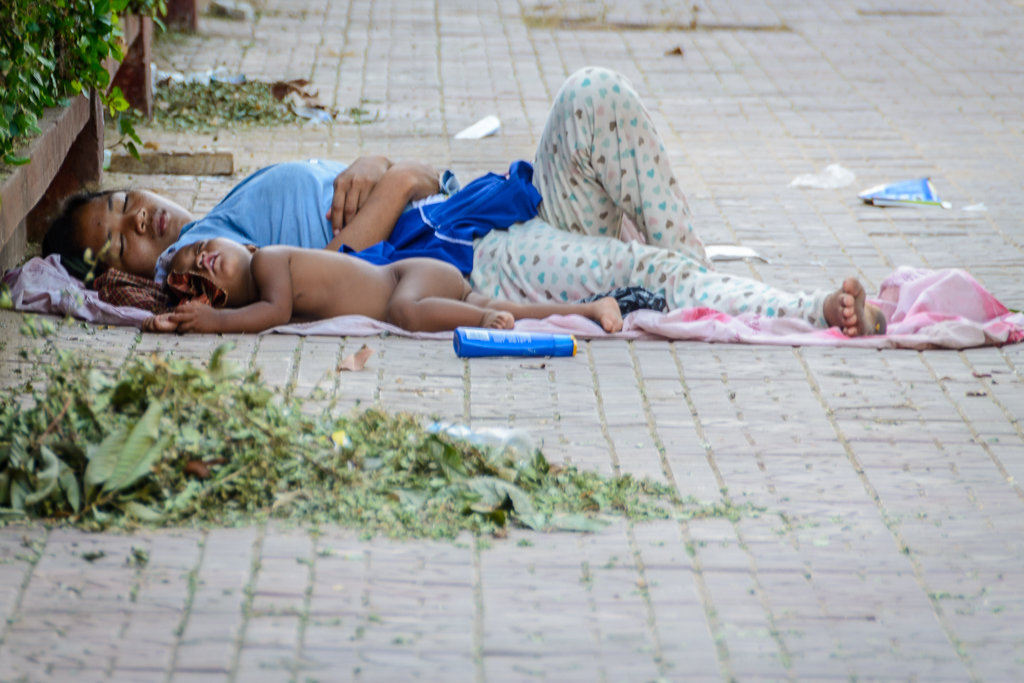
[275, 285]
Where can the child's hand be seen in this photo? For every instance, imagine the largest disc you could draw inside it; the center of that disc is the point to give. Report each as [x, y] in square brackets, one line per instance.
[193, 317]
[159, 323]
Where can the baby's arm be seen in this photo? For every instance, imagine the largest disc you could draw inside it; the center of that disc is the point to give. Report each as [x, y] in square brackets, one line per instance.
[271, 271]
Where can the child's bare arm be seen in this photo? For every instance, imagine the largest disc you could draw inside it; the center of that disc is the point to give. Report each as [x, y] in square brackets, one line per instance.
[271, 271]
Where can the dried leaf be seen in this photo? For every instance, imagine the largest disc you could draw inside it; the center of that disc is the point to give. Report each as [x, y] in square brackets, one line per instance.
[357, 361]
[197, 469]
[676, 51]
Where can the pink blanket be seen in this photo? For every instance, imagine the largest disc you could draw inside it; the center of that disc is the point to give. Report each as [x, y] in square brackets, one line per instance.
[925, 309]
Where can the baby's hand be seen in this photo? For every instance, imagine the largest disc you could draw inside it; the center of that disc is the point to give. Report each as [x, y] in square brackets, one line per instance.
[193, 317]
[159, 323]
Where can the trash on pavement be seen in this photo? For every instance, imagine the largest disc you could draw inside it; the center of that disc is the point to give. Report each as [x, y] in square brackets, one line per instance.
[919, 192]
[731, 252]
[976, 207]
[516, 444]
[356, 361]
[300, 101]
[475, 342]
[232, 9]
[218, 75]
[489, 125]
[832, 178]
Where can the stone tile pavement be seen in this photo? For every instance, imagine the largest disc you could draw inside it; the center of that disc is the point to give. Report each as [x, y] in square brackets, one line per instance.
[889, 547]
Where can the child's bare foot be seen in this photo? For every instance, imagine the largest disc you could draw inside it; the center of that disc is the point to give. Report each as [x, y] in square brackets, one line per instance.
[607, 314]
[498, 320]
[846, 309]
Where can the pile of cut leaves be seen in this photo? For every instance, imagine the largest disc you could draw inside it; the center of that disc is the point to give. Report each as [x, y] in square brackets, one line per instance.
[218, 104]
[164, 442]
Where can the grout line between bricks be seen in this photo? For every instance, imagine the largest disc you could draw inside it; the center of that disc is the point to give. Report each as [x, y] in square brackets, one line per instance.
[1007, 477]
[26, 579]
[707, 602]
[186, 612]
[991, 394]
[293, 376]
[479, 668]
[250, 594]
[600, 412]
[890, 523]
[307, 599]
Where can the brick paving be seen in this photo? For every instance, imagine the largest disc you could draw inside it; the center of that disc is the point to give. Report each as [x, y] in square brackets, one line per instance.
[888, 548]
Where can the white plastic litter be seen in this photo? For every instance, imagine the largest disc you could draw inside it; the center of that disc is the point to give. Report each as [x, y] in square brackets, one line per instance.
[514, 443]
[832, 178]
[976, 207]
[218, 75]
[489, 125]
[731, 252]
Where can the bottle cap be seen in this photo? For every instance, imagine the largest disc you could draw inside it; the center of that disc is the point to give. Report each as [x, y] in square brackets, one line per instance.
[565, 345]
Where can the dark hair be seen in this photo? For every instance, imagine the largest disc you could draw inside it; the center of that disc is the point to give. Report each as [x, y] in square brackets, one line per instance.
[60, 238]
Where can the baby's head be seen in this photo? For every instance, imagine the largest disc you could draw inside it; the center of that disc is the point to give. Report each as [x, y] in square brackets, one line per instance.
[225, 263]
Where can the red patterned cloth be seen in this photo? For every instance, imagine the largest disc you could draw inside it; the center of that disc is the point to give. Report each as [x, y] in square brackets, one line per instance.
[195, 287]
[119, 288]
[123, 289]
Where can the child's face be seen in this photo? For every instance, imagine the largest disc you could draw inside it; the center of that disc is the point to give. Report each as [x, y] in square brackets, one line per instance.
[224, 262]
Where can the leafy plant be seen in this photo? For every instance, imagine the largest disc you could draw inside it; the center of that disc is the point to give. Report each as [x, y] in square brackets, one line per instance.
[50, 51]
[166, 442]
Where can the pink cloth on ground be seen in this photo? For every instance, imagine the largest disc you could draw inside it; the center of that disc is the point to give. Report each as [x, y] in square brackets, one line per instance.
[925, 309]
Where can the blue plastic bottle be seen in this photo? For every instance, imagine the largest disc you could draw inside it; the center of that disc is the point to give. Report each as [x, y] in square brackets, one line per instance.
[475, 342]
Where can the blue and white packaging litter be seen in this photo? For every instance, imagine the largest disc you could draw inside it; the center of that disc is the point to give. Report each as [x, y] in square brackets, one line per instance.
[918, 192]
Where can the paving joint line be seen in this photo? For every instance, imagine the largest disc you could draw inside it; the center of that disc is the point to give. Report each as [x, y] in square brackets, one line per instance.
[479, 668]
[303, 622]
[1007, 477]
[890, 523]
[596, 384]
[246, 607]
[186, 612]
[982, 380]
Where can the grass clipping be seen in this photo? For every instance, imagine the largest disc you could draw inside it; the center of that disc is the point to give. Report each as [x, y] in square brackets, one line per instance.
[169, 443]
[206, 107]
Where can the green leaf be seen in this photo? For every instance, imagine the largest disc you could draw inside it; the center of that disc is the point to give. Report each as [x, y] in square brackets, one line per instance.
[133, 150]
[497, 493]
[576, 523]
[103, 459]
[69, 485]
[46, 481]
[12, 160]
[220, 367]
[414, 499]
[136, 451]
[146, 463]
[141, 512]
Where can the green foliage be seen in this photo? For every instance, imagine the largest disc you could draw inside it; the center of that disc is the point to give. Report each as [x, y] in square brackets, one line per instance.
[53, 50]
[205, 107]
[166, 442]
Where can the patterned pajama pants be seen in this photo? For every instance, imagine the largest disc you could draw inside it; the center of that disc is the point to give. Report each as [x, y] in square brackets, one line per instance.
[600, 157]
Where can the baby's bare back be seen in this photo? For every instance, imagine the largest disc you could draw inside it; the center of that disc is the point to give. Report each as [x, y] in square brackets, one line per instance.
[326, 284]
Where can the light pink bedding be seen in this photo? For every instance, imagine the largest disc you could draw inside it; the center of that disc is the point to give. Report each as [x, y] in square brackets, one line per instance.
[925, 309]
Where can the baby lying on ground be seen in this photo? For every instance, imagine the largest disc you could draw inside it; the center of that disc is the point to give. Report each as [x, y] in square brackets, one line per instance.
[275, 285]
